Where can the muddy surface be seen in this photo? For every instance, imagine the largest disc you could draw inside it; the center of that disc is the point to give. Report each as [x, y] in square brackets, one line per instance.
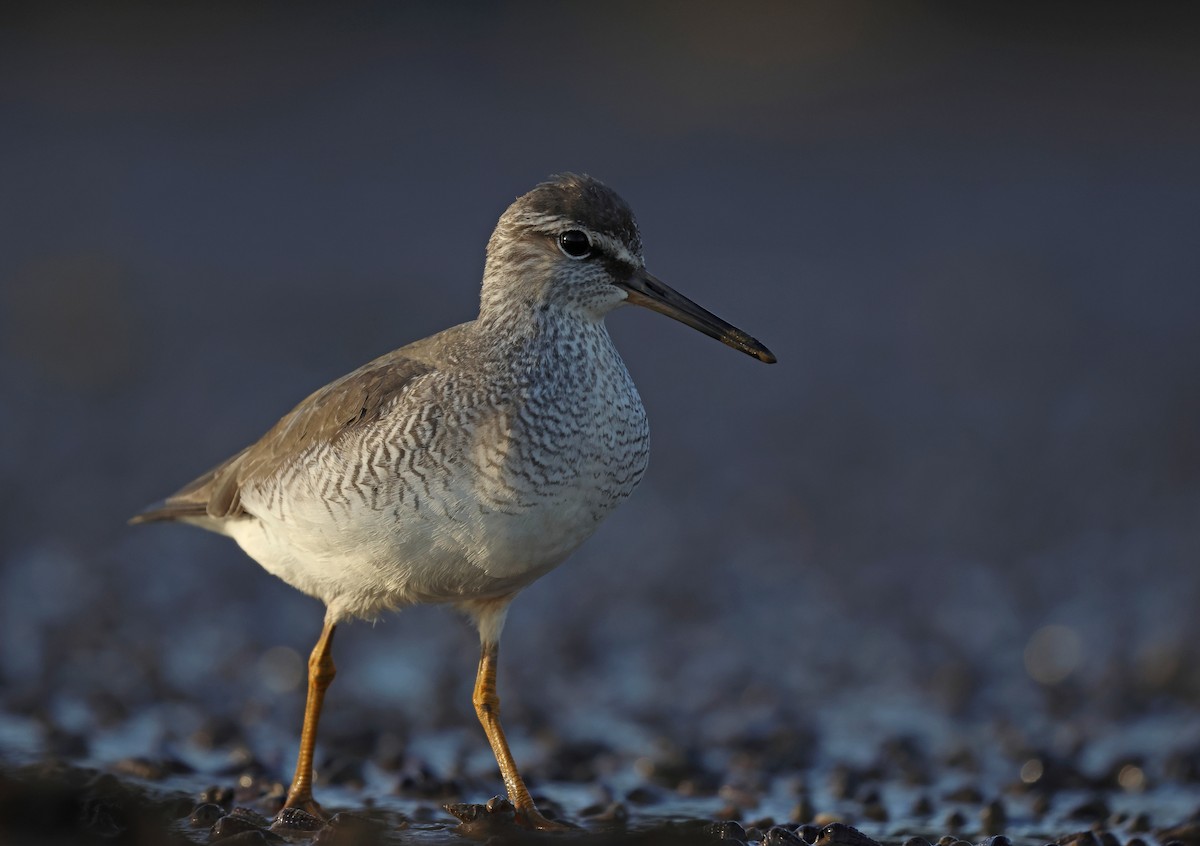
[777, 782]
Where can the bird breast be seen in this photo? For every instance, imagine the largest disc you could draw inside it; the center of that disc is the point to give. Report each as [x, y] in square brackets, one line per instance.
[473, 484]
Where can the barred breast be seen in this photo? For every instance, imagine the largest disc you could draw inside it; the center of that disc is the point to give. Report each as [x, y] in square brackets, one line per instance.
[505, 467]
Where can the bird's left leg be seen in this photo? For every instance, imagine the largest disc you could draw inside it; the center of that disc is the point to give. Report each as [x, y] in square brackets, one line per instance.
[320, 673]
[489, 618]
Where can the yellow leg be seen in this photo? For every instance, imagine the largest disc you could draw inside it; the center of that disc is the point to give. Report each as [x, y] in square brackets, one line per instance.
[320, 673]
[487, 707]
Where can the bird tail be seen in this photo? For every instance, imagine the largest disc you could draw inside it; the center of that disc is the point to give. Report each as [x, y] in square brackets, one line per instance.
[170, 509]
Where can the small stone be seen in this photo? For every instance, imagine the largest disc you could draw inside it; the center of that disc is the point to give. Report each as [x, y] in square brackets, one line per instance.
[1135, 841]
[1079, 838]
[738, 797]
[966, 794]
[780, 836]
[947, 840]
[242, 821]
[642, 796]
[843, 782]
[916, 841]
[955, 820]
[251, 816]
[204, 816]
[1093, 809]
[729, 812]
[826, 818]
[231, 824]
[876, 812]
[995, 840]
[350, 830]
[839, 834]
[222, 796]
[1188, 834]
[923, 807]
[499, 805]
[803, 811]
[993, 817]
[1140, 823]
[614, 813]
[727, 830]
[808, 833]
[1107, 838]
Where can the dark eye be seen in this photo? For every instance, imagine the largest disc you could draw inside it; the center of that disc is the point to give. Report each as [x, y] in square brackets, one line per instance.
[575, 243]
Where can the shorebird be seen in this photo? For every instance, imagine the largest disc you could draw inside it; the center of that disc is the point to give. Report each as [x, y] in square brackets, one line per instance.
[462, 467]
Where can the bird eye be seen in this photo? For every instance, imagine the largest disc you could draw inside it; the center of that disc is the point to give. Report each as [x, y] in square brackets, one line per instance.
[575, 244]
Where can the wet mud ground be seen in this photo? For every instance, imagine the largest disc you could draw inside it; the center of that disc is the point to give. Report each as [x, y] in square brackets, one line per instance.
[756, 772]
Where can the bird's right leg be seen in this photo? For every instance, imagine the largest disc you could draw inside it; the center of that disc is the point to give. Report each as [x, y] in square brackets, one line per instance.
[320, 673]
[489, 618]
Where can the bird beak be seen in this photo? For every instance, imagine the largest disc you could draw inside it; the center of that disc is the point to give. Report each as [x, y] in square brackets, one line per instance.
[646, 290]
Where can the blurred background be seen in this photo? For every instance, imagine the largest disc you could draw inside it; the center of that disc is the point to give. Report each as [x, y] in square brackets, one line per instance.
[968, 492]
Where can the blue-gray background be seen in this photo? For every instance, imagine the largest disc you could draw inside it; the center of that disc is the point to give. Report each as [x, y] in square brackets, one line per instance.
[970, 236]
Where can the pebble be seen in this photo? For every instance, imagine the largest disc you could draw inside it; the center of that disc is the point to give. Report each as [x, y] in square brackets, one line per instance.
[1140, 823]
[423, 782]
[615, 812]
[728, 830]
[497, 817]
[780, 836]
[1187, 833]
[1093, 809]
[993, 817]
[916, 841]
[875, 811]
[222, 796]
[967, 794]
[1079, 838]
[1040, 806]
[808, 833]
[149, 770]
[351, 830]
[238, 821]
[204, 816]
[995, 840]
[840, 834]
[642, 796]
[922, 807]
[955, 820]
[803, 811]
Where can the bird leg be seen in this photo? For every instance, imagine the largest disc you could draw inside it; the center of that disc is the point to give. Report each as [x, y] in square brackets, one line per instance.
[320, 673]
[487, 707]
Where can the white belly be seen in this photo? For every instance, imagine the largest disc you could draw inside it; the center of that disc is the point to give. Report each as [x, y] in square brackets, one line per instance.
[486, 524]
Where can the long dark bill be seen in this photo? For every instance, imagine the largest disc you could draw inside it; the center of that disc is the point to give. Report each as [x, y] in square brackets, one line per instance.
[648, 291]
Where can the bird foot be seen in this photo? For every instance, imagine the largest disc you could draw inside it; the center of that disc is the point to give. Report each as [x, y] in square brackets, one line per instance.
[531, 818]
[307, 804]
